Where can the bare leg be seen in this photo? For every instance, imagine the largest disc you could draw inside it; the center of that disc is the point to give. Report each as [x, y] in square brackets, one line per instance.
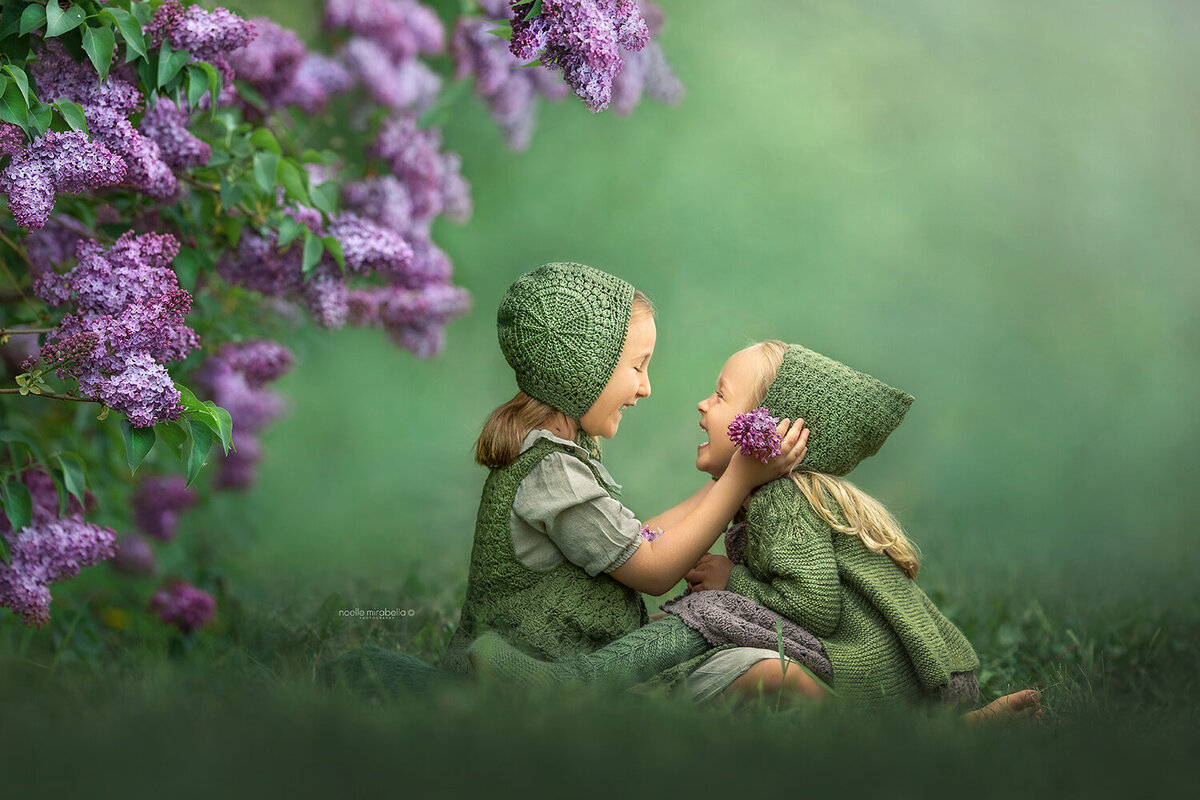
[1025, 704]
[768, 676]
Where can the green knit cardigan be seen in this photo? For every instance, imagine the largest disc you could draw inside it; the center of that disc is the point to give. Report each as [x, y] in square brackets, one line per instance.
[551, 614]
[885, 638]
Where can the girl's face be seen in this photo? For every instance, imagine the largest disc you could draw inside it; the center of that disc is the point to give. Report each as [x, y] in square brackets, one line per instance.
[629, 381]
[734, 395]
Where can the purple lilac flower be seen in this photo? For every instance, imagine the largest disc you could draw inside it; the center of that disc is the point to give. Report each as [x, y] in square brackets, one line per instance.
[135, 267]
[205, 35]
[383, 200]
[413, 320]
[157, 503]
[325, 294]
[755, 435]
[269, 60]
[167, 126]
[56, 162]
[368, 247]
[49, 247]
[134, 556]
[645, 71]
[259, 265]
[402, 27]
[12, 139]
[141, 389]
[57, 74]
[582, 38]
[183, 605]
[237, 470]
[258, 360]
[650, 534]
[399, 85]
[430, 266]
[412, 156]
[316, 80]
[50, 548]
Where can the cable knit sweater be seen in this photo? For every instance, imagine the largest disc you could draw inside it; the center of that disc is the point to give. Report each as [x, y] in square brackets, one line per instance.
[885, 638]
[551, 614]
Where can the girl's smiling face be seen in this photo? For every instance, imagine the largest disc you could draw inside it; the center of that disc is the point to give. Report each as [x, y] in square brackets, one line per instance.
[629, 381]
[734, 394]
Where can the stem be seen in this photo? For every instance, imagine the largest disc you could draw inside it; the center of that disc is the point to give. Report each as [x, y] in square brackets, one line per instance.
[51, 396]
[17, 331]
[74, 226]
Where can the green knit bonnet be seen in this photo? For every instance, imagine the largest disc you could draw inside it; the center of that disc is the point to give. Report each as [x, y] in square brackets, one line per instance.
[562, 329]
[849, 414]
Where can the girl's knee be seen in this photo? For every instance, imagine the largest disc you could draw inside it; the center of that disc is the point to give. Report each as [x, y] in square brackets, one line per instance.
[771, 675]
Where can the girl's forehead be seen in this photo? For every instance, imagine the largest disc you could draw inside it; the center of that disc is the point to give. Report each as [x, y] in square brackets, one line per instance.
[740, 367]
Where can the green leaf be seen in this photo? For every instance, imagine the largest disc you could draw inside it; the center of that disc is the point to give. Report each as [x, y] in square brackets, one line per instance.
[32, 18]
[60, 489]
[12, 106]
[504, 32]
[313, 248]
[188, 398]
[263, 139]
[34, 447]
[202, 442]
[74, 475]
[169, 63]
[289, 229]
[72, 114]
[59, 21]
[214, 82]
[173, 434]
[39, 118]
[138, 443]
[99, 44]
[197, 85]
[335, 249]
[20, 78]
[131, 32]
[142, 12]
[325, 197]
[266, 167]
[293, 182]
[231, 194]
[224, 425]
[534, 10]
[18, 506]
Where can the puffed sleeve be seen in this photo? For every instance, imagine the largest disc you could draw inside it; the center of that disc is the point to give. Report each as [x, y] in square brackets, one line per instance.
[790, 564]
[562, 498]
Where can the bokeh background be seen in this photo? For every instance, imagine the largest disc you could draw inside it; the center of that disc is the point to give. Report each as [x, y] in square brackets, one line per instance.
[992, 206]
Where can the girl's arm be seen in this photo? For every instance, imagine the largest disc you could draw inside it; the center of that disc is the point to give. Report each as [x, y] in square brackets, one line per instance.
[657, 566]
[673, 515]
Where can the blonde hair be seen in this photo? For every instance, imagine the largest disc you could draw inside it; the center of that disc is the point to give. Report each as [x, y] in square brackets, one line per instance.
[499, 442]
[855, 513]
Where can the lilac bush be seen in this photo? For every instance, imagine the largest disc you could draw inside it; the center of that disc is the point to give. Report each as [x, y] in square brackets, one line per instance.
[170, 211]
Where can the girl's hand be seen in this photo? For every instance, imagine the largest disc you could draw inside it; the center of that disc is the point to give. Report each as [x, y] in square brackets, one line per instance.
[711, 572]
[792, 452]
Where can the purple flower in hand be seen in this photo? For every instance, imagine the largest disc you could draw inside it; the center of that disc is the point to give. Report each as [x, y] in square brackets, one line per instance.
[755, 435]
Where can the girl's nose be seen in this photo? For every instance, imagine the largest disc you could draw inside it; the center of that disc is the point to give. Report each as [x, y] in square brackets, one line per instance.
[644, 388]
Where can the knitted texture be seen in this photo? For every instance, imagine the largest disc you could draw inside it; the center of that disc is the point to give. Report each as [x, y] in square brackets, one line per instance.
[375, 672]
[635, 657]
[551, 614]
[562, 328]
[884, 637]
[848, 414]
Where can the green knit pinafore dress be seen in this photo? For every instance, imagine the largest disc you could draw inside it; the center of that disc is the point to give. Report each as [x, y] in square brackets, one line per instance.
[550, 614]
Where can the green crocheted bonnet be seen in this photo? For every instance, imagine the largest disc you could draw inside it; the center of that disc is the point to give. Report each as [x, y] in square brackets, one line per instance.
[849, 414]
[562, 329]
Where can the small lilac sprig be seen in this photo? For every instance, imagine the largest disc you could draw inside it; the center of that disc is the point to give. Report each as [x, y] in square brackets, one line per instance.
[650, 534]
[755, 435]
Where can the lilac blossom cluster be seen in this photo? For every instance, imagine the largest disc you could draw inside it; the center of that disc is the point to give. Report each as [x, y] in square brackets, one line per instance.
[235, 377]
[282, 70]
[755, 435]
[107, 106]
[583, 38]
[157, 504]
[509, 91]
[386, 38]
[645, 71]
[129, 310]
[182, 605]
[48, 549]
[54, 163]
[205, 35]
[134, 556]
[650, 534]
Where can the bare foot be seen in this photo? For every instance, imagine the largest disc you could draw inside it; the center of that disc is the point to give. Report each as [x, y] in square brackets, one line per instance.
[1025, 704]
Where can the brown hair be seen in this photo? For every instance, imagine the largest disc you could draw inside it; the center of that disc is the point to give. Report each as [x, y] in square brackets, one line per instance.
[499, 442]
[861, 515]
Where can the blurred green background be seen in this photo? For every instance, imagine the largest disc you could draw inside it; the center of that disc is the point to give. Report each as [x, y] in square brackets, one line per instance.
[991, 206]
